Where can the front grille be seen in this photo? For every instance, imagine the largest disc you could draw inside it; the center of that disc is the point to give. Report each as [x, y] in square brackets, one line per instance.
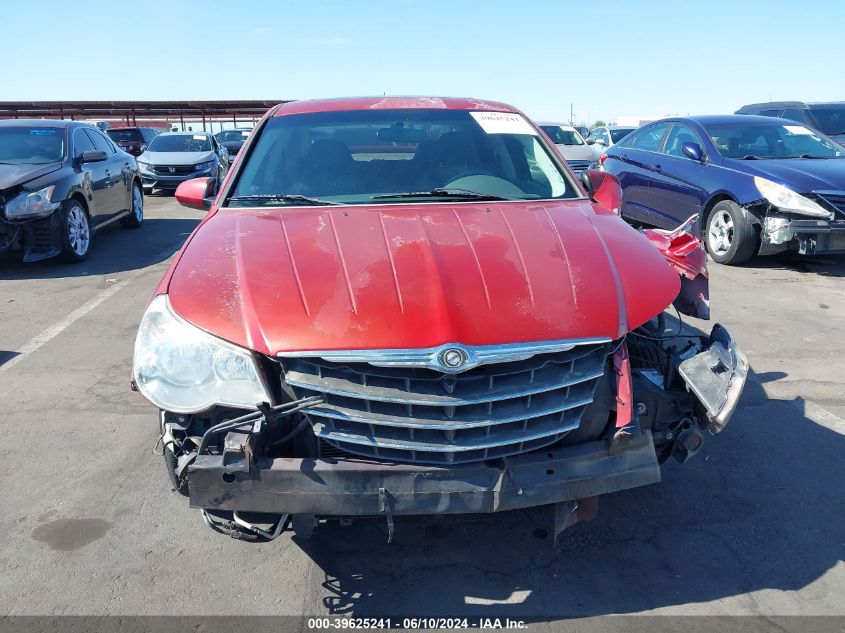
[579, 165]
[836, 199]
[177, 169]
[424, 416]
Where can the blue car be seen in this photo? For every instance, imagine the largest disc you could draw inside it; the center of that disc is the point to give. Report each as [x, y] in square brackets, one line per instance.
[760, 185]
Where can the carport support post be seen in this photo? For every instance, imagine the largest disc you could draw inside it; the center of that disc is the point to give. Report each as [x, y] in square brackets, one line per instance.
[182, 120]
[203, 119]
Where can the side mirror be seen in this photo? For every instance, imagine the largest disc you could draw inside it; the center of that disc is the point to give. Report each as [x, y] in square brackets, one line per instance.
[196, 193]
[604, 189]
[93, 156]
[601, 141]
[693, 151]
[591, 141]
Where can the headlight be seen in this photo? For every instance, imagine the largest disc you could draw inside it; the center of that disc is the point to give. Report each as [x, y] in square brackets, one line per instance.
[145, 166]
[203, 166]
[787, 200]
[31, 204]
[180, 368]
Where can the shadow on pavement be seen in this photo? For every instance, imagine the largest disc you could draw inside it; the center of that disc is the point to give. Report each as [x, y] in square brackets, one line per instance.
[113, 250]
[760, 507]
[822, 265]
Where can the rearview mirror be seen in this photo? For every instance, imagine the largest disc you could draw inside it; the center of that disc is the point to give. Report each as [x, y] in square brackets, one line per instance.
[604, 189]
[693, 151]
[196, 193]
[93, 156]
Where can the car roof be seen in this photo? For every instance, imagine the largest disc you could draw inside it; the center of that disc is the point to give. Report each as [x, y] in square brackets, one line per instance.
[725, 118]
[200, 133]
[57, 123]
[786, 104]
[555, 124]
[389, 103]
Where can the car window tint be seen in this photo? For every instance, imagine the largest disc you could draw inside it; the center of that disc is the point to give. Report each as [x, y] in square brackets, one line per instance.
[81, 143]
[618, 134]
[100, 141]
[352, 156]
[649, 138]
[678, 135]
[795, 114]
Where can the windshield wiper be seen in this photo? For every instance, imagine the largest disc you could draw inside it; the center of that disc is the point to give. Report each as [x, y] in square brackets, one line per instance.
[282, 197]
[442, 193]
[749, 157]
[815, 157]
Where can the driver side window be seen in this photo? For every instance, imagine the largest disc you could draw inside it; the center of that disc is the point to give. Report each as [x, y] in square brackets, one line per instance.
[679, 135]
[649, 138]
[81, 143]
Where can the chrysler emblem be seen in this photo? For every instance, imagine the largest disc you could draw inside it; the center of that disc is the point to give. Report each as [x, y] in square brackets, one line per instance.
[453, 357]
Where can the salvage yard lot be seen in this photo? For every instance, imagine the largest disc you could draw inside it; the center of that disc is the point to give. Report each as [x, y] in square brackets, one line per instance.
[753, 525]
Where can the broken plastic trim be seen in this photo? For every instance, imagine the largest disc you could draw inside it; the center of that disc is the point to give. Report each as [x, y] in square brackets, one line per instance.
[717, 376]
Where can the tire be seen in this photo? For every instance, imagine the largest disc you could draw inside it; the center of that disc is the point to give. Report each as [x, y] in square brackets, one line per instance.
[76, 232]
[730, 238]
[136, 213]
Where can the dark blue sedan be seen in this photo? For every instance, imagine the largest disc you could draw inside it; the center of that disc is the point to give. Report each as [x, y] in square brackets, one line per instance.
[761, 185]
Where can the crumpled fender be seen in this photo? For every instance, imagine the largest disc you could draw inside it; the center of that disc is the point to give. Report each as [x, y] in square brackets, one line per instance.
[686, 254]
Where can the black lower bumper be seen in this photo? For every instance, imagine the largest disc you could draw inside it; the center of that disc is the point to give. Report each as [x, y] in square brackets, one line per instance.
[819, 236]
[344, 487]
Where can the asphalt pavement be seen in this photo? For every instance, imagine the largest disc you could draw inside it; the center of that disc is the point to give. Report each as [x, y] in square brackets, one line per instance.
[755, 524]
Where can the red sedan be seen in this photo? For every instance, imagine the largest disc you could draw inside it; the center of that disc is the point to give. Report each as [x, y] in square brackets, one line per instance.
[410, 306]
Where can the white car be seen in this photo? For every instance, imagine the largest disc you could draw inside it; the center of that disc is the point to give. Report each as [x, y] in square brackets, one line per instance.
[578, 154]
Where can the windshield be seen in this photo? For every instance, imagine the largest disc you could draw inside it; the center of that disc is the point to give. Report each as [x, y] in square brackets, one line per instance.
[180, 143]
[124, 135]
[35, 145]
[617, 134]
[830, 119]
[562, 136]
[232, 135]
[770, 140]
[357, 157]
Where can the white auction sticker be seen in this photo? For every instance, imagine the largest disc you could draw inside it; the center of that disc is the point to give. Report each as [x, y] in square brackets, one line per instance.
[798, 129]
[503, 123]
[199, 137]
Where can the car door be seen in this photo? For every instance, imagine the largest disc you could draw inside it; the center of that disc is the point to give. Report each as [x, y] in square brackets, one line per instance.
[116, 197]
[631, 162]
[95, 176]
[676, 191]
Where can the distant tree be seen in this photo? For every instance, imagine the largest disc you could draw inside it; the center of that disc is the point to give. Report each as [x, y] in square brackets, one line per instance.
[599, 123]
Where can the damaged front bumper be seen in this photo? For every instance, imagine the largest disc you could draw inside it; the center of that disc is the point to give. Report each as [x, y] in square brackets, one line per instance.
[238, 480]
[359, 487]
[39, 238]
[807, 236]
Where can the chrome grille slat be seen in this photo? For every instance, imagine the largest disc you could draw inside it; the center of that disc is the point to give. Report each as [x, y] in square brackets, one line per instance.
[413, 414]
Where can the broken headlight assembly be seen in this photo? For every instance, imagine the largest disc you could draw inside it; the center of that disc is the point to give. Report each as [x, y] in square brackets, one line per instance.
[787, 200]
[31, 204]
[183, 369]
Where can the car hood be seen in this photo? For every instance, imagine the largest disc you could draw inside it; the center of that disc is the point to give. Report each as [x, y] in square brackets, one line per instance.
[410, 276]
[579, 152]
[14, 175]
[176, 158]
[801, 174]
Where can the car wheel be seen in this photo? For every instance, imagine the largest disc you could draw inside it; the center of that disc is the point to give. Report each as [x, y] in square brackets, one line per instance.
[730, 237]
[76, 232]
[136, 213]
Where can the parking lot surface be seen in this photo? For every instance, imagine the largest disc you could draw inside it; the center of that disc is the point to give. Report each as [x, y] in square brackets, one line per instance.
[755, 524]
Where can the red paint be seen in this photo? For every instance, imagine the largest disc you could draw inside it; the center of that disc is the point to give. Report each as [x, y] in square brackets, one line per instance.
[191, 193]
[418, 275]
[624, 387]
[415, 275]
[606, 190]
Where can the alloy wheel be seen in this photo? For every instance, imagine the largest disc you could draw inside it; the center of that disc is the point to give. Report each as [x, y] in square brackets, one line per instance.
[721, 232]
[78, 232]
[137, 204]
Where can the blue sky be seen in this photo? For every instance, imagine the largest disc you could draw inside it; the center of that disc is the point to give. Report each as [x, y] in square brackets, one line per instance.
[610, 58]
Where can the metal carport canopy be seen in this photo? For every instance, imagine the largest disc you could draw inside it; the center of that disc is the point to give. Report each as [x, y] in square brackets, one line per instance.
[129, 110]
